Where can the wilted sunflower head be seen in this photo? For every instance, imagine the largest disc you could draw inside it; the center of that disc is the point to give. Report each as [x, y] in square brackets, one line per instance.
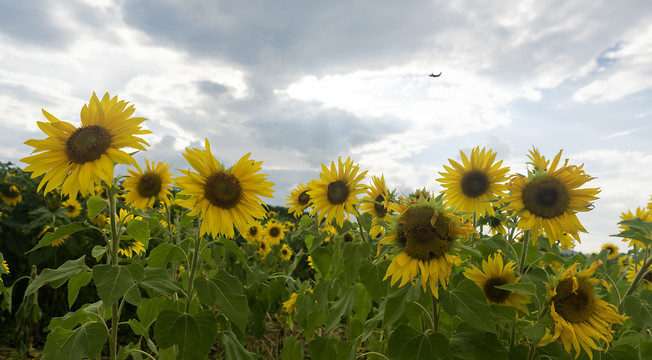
[10, 195]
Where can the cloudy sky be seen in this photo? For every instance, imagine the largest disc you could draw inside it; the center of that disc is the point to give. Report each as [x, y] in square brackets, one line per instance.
[300, 83]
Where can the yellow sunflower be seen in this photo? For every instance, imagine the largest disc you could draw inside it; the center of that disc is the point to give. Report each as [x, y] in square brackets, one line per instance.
[641, 213]
[100, 220]
[4, 268]
[495, 273]
[566, 241]
[581, 320]
[274, 232]
[425, 231]
[143, 188]
[311, 263]
[472, 185]
[285, 252]
[613, 250]
[298, 200]
[271, 214]
[377, 201]
[81, 157]
[131, 247]
[336, 192]
[73, 207]
[329, 230]
[10, 195]
[548, 199]
[633, 269]
[254, 232]
[289, 226]
[264, 248]
[223, 197]
[290, 305]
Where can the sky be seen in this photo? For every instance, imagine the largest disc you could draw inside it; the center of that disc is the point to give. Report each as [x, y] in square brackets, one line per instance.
[300, 83]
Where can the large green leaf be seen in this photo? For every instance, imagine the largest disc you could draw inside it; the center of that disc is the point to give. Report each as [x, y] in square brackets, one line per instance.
[233, 348]
[83, 342]
[225, 291]
[95, 205]
[61, 231]
[640, 313]
[371, 276]
[468, 301]
[410, 344]
[113, 281]
[354, 253]
[292, 349]
[75, 283]
[139, 230]
[330, 348]
[165, 253]
[158, 281]
[473, 344]
[193, 334]
[56, 277]
[340, 308]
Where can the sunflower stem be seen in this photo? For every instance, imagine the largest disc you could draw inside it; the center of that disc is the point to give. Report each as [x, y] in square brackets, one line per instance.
[115, 239]
[193, 268]
[513, 335]
[435, 314]
[647, 262]
[526, 241]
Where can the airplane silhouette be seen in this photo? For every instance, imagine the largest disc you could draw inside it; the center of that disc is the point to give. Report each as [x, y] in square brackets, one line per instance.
[433, 75]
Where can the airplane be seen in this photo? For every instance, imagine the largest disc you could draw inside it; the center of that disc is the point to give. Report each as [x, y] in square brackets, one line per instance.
[433, 75]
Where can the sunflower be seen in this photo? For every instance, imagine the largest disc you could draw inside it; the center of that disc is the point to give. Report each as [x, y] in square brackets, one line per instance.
[264, 248]
[289, 226]
[580, 318]
[73, 207]
[290, 305]
[274, 232]
[271, 214]
[10, 195]
[336, 192]
[495, 273]
[474, 184]
[4, 268]
[641, 213]
[285, 252]
[81, 157]
[223, 197]
[143, 188]
[613, 250]
[566, 241]
[131, 247]
[100, 220]
[549, 197]
[376, 203]
[633, 269]
[254, 232]
[311, 263]
[298, 200]
[329, 230]
[425, 231]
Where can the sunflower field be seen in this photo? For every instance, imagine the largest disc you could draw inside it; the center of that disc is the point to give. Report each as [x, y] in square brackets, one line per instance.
[151, 265]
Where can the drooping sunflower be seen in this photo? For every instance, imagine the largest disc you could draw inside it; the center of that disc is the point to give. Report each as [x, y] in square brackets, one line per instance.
[548, 199]
[472, 185]
[298, 200]
[425, 231]
[285, 252]
[131, 247]
[641, 213]
[73, 207]
[290, 304]
[633, 269]
[254, 232]
[223, 197]
[581, 319]
[495, 273]
[81, 157]
[144, 187]
[336, 192]
[613, 250]
[377, 201]
[273, 232]
[10, 195]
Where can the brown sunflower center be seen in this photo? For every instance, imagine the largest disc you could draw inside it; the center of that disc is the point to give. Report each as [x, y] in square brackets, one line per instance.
[546, 197]
[475, 183]
[253, 231]
[381, 210]
[284, 252]
[421, 239]
[304, 198]
[494, 294]
[274, 231]
[611, 249]
[71, 207]
[574, 307]
[149, 184]
[338, 192]
[223, 190]
[10, 192]
[87, 143]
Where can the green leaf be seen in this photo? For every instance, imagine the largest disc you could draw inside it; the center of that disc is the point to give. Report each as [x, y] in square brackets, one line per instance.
[641, 314]
[225, 291]
[354, 253]
[139, 230]
[235, 249]
[61, 231]
[341, 307]
[95, 205]
[322, 258]
[56, 277]
[472, 344]
[396, 299]
[620, 352]
[98, 252]
[637, 223]
[362, 304]
[408, 344]
[84, 342]
[521, 287]
[306, 221]
[75, 283]
[138, 328]
[193, 334]
[164, 254]
[371, 276]
[113, 281]
[468, 301]
[292, 349]
[330, 348]
[233, 348]
[159, 282]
